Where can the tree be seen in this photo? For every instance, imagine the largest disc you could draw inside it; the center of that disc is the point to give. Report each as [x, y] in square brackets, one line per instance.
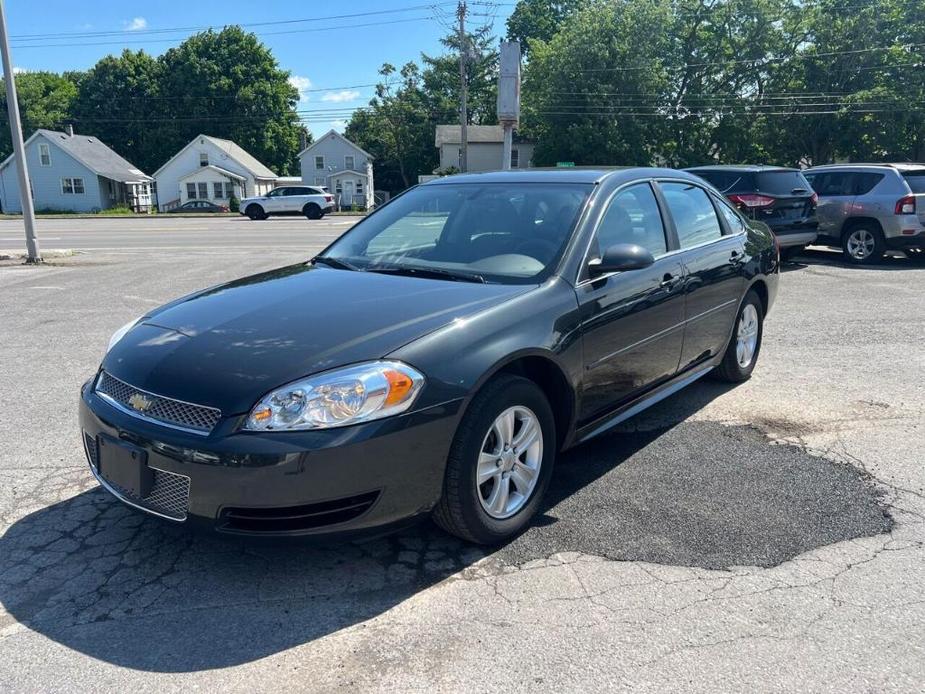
[229, 85]
[45, 101]
[538, 20]
[118, 101]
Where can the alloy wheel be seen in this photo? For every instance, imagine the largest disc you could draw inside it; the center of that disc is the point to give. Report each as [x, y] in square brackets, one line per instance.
[747, 335]
[861, 244]
[509, 462]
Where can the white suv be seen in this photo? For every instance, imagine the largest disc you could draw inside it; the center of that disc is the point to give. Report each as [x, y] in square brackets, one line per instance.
[311, 201]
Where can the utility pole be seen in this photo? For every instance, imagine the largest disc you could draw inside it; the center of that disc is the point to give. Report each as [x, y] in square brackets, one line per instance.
[19, 153]
[463, 89]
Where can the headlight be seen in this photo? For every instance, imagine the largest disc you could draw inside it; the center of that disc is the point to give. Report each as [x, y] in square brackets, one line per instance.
[120, 333]
[337, 398]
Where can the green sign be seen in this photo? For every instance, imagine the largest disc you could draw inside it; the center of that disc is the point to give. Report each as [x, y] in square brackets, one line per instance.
[565, 164]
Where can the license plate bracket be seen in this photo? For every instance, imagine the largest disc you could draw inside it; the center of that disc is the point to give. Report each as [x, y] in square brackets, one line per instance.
[126, 466]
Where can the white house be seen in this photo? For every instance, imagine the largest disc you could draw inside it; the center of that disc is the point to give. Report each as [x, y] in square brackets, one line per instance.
[210, 168]
[344, 168]
[76, 173]
[485, 148]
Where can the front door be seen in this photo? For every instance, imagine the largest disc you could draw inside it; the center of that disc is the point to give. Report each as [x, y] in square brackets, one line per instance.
[632, 322]
[714, 279]
[347, 199]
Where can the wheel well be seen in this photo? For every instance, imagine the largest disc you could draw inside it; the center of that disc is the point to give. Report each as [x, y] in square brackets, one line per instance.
[310, 205]
[855, 222]
[761, 289]
[549, 377]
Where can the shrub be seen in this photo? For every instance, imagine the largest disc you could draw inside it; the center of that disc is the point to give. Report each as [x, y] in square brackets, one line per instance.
[234, 205]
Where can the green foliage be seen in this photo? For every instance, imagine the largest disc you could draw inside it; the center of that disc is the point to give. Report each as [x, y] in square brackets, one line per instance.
[45, 101]
[234, 205]
[117, 210]
[538, 20]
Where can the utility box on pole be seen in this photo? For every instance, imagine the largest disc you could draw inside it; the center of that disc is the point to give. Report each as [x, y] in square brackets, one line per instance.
[509, 96]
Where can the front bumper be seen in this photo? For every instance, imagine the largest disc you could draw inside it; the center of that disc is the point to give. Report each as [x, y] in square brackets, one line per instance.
[349, 480]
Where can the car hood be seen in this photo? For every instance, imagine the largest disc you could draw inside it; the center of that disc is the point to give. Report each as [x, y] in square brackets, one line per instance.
[227, 346]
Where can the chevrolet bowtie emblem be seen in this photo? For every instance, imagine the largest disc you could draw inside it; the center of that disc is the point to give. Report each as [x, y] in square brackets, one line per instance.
[140, 402]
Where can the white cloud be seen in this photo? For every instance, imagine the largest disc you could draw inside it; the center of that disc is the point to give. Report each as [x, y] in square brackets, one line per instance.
[344, 95]
[19, 70]
[339, 125]
[135, 24]
[302, 84]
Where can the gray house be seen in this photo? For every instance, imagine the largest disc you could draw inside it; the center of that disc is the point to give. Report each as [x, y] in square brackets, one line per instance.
[77, 173]
[344, 168]
[485, 148]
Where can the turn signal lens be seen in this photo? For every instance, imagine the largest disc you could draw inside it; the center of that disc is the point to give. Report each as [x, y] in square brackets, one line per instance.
[337, 398]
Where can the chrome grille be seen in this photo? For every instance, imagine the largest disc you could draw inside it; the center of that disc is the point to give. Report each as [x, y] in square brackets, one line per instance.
[177, 413]
[169, 494]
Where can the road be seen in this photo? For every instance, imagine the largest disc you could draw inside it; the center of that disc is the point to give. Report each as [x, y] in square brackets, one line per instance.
[167, 232]
[766, 537]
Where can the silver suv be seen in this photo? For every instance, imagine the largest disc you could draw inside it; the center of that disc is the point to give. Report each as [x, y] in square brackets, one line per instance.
[865, 209]
[312, 201]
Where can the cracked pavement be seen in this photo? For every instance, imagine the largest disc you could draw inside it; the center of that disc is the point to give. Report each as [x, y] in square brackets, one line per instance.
[767, 537]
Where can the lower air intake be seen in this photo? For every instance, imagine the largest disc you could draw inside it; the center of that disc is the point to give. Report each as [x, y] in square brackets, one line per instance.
[291, 519]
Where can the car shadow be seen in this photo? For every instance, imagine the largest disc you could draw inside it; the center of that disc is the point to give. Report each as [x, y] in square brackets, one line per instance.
[124, 588]
[892, 261]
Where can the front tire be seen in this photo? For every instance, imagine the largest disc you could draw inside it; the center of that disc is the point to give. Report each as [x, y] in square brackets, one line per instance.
[863, 243]
[255, 212]
[745, 344]
[312, 211]
[499, 464]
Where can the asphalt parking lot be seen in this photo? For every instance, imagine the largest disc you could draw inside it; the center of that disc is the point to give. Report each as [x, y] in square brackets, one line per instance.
[766, 537]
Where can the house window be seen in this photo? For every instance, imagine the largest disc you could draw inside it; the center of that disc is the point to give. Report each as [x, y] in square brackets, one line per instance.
[203, 190]
[319, 162]
[338, 188]
[319, 180]
[217, 188]
[348, 162]
[203, 159]
[459, 157]
[191, 191]
[359, 187]
[44, 155]
[229, 190]
[515, 158]
[72, 186]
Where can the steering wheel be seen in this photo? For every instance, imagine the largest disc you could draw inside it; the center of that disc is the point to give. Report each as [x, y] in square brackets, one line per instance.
[541, 249]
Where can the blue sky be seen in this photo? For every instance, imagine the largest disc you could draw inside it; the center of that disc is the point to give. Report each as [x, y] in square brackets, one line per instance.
[322, 54]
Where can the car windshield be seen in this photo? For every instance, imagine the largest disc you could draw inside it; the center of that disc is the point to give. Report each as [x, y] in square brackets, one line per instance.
[511, 232]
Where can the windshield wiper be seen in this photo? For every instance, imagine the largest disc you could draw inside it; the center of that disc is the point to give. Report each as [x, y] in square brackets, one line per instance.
[433, 273]
[333, 262]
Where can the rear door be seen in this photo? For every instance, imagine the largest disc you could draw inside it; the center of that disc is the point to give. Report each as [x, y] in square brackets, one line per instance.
[632, 322]
[296, 197]
[836, 198]
[713, 256]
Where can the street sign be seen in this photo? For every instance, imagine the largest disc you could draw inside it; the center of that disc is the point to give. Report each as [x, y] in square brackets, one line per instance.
[565, 164]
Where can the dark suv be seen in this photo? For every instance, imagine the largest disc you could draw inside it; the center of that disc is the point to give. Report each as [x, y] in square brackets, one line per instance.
[781, 198]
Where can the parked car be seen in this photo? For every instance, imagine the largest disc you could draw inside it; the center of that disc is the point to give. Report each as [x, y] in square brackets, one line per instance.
[781, 198]
[197, 206]
[311, 201]
[435, 359]
[865, 209]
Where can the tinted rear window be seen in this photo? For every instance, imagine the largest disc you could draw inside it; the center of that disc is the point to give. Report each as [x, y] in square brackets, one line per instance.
[729, 181]
[916, 180]
[783, 183]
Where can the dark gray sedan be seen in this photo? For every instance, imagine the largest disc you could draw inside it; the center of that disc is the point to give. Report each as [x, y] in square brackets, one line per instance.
[435, 359]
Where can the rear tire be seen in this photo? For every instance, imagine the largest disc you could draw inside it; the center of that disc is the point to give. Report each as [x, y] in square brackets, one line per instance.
[477, 512]
[312, 211]
[255, 212]
[863, 243]
[745, 343]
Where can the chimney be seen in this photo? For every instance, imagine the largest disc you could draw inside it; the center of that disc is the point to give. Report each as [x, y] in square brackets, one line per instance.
[70, 129]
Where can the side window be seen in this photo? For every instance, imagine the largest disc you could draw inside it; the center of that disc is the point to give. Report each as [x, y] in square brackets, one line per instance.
[694, 217]
[832, 183]
[865, 182]
[733, 220]
[632, 217]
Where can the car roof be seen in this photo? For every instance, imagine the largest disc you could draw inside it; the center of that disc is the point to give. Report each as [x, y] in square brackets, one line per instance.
[576, 174]
[902, 166]
[740, 168]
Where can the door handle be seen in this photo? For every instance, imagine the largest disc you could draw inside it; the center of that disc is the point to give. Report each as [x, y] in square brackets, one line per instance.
[735, 256]
[668, 280]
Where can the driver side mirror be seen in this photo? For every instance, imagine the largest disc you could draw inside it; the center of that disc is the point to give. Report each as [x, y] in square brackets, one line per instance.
[620, 257]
